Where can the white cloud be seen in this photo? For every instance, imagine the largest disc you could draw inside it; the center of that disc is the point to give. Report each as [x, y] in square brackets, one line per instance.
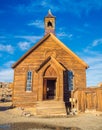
[63, 34]
[94, 73]
[94, 76]
[33, 6]
[36, 6]
[9, 64]
[70, 35]
[6, 75]
[44, 3]
[78, 7]
[7, 48]
[82, 29]
[94, 59]
[24, 45]
[91, 46]
[97, 42]
[37, 23]
[50, 5]
[32, 39]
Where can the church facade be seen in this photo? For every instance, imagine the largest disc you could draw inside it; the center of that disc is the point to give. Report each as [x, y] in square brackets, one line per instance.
[50, 77]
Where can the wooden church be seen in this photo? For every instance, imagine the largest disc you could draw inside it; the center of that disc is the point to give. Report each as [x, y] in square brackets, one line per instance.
[50, 77]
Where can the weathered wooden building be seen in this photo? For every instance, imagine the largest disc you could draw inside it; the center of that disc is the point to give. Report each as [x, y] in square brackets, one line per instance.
[50, 77]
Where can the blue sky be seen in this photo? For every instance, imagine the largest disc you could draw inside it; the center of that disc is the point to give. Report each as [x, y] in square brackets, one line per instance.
[78, 26]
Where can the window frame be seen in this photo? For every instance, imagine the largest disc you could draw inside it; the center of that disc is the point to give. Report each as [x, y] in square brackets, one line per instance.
[29, 81]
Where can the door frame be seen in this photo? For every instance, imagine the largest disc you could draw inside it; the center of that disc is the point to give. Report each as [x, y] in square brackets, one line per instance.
[45, 87]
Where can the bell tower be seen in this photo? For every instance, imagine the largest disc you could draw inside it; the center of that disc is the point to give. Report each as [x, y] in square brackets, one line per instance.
[49, 22]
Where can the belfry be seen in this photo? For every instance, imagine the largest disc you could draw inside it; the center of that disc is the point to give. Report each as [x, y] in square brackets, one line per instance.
[49, 22]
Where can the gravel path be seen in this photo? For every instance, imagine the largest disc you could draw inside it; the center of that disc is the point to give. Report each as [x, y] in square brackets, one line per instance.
[86, 121]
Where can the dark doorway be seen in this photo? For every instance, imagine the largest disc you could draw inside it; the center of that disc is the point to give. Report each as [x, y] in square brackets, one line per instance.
[49, 89]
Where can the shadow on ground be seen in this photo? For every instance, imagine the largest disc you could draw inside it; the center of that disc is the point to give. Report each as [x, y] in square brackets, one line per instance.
[33, 126]
[4, 107]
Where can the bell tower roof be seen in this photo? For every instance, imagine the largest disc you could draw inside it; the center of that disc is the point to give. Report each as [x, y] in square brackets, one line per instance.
[49, 15]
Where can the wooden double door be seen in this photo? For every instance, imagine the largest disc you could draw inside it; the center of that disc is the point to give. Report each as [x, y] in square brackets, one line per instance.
[49, 89]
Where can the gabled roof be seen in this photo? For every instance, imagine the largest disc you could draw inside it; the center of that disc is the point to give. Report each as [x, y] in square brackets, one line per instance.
[50, 58]
[58, 41]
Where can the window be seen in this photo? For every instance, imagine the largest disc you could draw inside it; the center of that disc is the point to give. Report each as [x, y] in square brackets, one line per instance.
[29, 81]
[70, 80]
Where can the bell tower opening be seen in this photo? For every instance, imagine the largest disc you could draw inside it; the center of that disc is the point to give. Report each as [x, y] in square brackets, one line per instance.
[49, 22]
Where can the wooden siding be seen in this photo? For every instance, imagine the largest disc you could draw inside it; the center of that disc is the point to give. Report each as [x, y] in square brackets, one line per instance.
[88, 99]
[63, 61]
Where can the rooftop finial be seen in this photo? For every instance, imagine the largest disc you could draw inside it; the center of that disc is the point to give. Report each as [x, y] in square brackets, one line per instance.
[49, 11]
[49, 15]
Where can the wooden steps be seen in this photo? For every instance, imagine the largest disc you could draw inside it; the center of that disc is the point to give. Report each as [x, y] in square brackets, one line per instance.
[50, 107]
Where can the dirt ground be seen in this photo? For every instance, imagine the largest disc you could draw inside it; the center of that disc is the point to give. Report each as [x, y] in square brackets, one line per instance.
[84, 121]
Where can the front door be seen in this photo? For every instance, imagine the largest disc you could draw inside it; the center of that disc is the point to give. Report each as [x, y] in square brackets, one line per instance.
[49, 89]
